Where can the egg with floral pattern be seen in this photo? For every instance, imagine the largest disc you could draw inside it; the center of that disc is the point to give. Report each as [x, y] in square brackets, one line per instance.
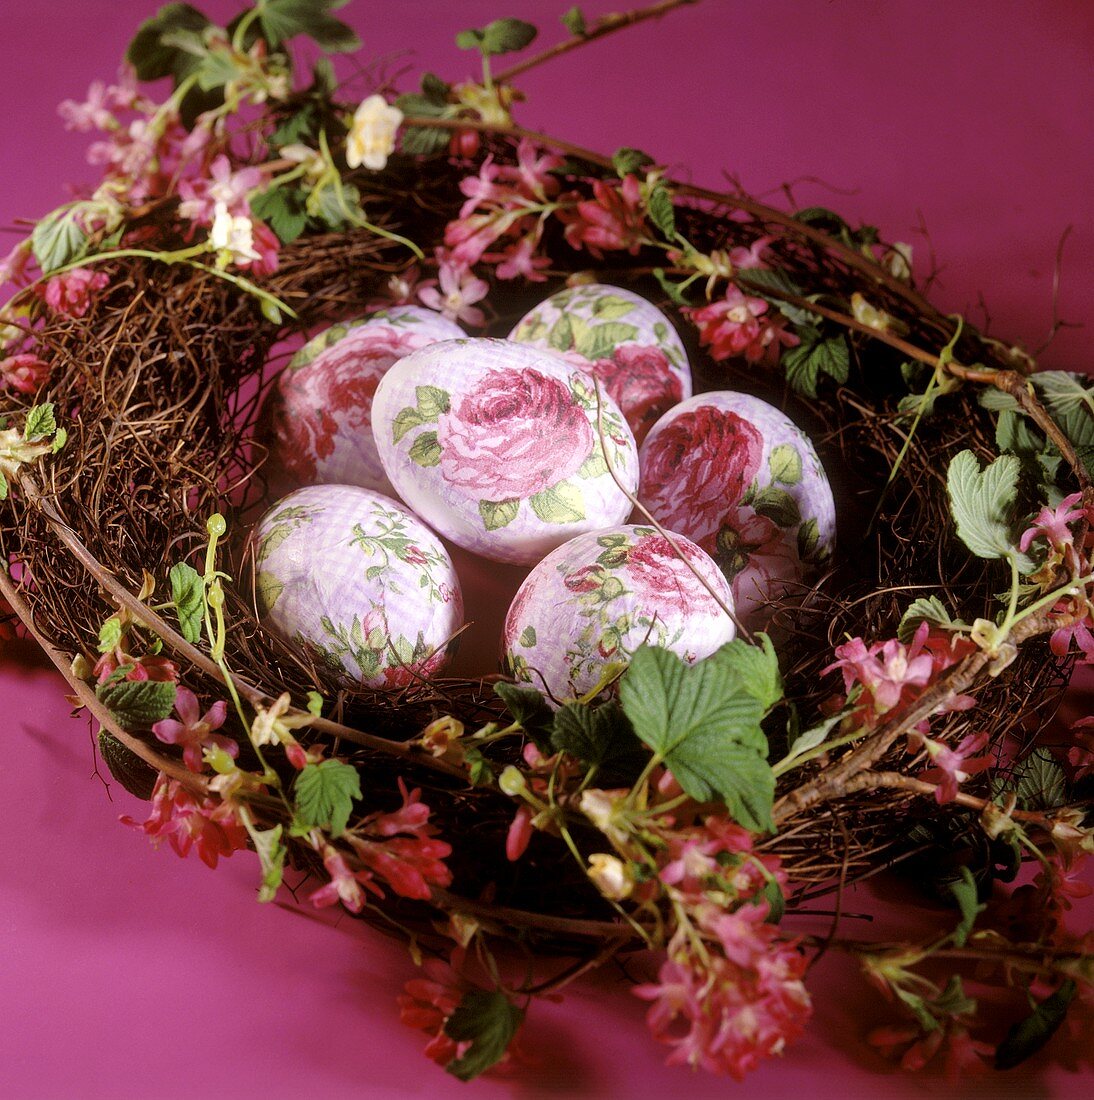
[600, 596]
[738, 477]
[620, 338]
[357, 582]
[502, 448]
[317, 420]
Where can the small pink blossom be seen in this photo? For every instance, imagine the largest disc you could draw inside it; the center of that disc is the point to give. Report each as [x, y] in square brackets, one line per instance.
[459, 290]
[520, 834]
[953, 766]
[519, 261]
[739, 325]
[960, 1052]
[136, 668]
[195, 730]
[613, 220]
[71, 292]
[13, 267]
[1077, 631]
[344, 885]
[533, 172]
[751, 257]
[1081, 754]
[201, 196]
[208, 826]
[93, 114]
[1052, 524]
[24, 373]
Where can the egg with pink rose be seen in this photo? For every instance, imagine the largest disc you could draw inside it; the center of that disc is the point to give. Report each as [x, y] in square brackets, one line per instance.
[600, 596]
[739, 478]
[354, 580]
[316, 420]
[503, 448]
[622, 339]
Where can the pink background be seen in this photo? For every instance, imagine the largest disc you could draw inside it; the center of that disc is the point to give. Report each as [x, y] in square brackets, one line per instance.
[125, 972]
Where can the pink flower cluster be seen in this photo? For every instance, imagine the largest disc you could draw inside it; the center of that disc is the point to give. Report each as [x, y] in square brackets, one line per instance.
[739, 325]
[613, 220]
[70, 293]
[207, 825]
[195, 731]
[399, 847]
[23, 372]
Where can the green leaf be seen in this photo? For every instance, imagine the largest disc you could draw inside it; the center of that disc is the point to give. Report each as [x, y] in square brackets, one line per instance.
[507, 36]
[40, 423]
[574, 22]
[760, 280]
[785, 464]
[138, 704]
[110, 634]
[561, 335]
[404, 420]
[268, 591]
[598, 736]
[1027, 1036]
[662, 214]
[423, 141]
[151, 57]
[562, 503]
[479, 771]
[704, 722]
[271, 854]
[58, 240]
[809, 739]
[526, 705]
[137, 777]
[813, 357]
[923, 609]
[610, 307]
[432, 401]
[435, 90]
[3, 486]
[425, 450]
[594, 466]
[670, 288]
[284, 210]
[821, 217]
[627, 161]
[599, 341]
[777, 505]
[808, 539]
[324, 795]
[1039, 782]
[60, 438]
[487, 1020]
[528, 637]
[498, 513]
[756, 666]
[285, 19]
[981, 502]
[188, 596]
[964, 892]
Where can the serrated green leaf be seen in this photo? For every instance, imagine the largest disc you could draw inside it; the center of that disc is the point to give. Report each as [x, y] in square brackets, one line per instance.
[981, 503]
[809, 739]
[58, 240]
[762, 280]
[285, 19]
[425, 450]
[284, 210]
[487, 1020]
[60, 438]
[137, 777]
[1039, 782]
[599, 736]
[922, 609]
[1027, 1036]
[965, 894]
[526, 705]
[755, 665]
[324, 795]
[627, 161]
[435, 89]
[661, 211]
[574, 22]
[188, 596]
[599, 341]
[40, 423]
[138, 704]
[562, 503]
[3, 486]
[507, 36]
[813, 357]
[150, 57]
[432, 402]
[110, 634]
[424, 141]
[704, 722]
[498, 513]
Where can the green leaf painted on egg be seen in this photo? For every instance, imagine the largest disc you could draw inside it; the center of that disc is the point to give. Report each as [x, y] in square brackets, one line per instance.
[498, 513]
[785, 464]
[425, 450]
[562, 503]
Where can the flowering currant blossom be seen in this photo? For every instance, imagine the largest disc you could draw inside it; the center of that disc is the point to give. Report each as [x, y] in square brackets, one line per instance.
[202, 198]
[953, 766]
[208, 825]
[371, 137]
[458, 293]
[195, 730]
[613, 220]
[740, 325]
[24, 372]
[71, 292]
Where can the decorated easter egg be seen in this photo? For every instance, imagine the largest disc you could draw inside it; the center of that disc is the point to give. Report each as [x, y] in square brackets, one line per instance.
[354, 579]
[317, 417]
[600, 596]
[503, 448]
[627, 343]
[739, 478]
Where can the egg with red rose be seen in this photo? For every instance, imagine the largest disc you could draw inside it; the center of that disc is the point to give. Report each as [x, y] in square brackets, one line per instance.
[504, 449]
[600, 596]
[739, 478]
[359, 584]
[620, 338]
[317, 418]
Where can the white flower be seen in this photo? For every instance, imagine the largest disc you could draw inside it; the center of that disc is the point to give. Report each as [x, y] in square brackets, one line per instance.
[232, 237]
[309, 158]
[372, 134]
[609, 875]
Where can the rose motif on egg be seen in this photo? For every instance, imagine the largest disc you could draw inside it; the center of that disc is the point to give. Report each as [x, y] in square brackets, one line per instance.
[508, 447]
[739, 478]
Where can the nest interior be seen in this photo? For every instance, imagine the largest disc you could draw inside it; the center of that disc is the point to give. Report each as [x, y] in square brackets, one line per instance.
[160, 386]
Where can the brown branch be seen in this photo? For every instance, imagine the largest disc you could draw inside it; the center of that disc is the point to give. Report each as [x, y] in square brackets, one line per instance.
[605, 25]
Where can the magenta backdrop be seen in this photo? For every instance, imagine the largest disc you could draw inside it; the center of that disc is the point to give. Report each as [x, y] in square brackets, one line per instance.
[129, 973]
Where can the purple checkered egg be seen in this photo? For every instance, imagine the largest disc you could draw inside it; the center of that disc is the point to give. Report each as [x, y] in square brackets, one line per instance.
[352, 578]
[600, 596]
[317, 418]
[503, 448]
[738, 477]
[624, 341]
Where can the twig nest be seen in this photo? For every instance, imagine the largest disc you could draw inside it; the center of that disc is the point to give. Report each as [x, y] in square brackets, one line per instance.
[624, 341]
[738, 477]
[350, 576]
[600, 596]
[503, 448]
[317, 420]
